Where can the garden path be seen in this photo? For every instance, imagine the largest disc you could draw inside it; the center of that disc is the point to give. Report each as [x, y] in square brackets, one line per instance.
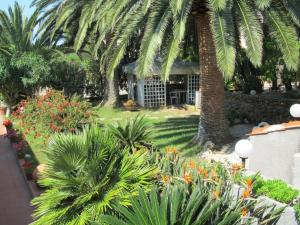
[15, 196]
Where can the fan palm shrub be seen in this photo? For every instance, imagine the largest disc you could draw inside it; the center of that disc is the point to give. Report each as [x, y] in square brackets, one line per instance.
[177, 204]
[134, 133]
[163, 27]
[86, 175]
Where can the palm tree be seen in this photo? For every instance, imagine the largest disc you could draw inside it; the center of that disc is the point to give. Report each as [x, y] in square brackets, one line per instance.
[58, 25]
[221, 26]
[87, 173]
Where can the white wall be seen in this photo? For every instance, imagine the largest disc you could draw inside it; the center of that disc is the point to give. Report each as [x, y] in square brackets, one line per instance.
[273, 155]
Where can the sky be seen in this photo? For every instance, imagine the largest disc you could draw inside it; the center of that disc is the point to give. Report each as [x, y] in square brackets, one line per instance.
[26, 3]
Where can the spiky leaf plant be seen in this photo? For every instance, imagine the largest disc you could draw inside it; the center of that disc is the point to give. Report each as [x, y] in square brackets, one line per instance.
[178, 205]
[86, 174]
[133, 133]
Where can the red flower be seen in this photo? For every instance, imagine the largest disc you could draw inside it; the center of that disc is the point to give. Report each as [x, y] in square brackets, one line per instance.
[7, 123]
[19, 145]
[27, 165]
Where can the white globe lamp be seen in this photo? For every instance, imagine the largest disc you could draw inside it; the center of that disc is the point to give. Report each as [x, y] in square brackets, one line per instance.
[295, 110]
[252, 92]
[243, 148]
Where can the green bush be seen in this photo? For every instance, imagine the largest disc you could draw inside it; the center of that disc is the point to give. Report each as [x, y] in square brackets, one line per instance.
[275, 189]
[86, 174]
[134, 133]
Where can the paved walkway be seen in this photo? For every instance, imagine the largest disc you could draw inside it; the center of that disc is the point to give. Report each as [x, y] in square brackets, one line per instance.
[15, 196]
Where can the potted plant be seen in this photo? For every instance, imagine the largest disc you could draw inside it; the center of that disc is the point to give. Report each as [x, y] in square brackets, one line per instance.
[130, 105]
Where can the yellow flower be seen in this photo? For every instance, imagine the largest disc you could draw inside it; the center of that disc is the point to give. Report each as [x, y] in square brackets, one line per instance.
[187, 178]
[165, 178]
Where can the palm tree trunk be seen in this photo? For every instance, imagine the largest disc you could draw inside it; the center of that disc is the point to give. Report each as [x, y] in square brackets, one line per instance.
[213, 125]
[111, 97]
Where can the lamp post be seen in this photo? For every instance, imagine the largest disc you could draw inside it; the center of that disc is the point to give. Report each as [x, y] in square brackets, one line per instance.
[243, 148]
[295, 110]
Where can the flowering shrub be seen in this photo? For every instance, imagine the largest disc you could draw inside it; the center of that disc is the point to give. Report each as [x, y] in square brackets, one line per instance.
[53, 112]
[175, 168]
[7, 123]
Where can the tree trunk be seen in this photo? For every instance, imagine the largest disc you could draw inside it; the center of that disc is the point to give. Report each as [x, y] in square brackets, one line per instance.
[111, 97]
[213, 125]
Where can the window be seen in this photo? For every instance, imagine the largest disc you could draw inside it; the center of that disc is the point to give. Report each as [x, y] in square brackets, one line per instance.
[193, 86]
[155, 92]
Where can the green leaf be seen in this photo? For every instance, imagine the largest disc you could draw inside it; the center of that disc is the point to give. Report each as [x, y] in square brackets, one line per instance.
[223, 33]
[285, 35]
[250, 31]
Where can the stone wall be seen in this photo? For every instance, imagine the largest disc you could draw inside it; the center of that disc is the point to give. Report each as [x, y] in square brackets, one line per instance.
[258, 108]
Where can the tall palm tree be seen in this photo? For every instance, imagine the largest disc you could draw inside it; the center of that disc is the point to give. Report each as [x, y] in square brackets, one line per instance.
[221, 25]
[62, 26]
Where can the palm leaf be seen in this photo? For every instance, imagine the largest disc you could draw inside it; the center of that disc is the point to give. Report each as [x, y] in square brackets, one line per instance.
[223, 33]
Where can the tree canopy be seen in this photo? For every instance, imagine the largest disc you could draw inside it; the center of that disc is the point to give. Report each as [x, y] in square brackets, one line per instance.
[162, 26]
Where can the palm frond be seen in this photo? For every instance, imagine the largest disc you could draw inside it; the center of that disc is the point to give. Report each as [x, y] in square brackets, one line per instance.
[285, 35]
[250, 30]
[223, 33]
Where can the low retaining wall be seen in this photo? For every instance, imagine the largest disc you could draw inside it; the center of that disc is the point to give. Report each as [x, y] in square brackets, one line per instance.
[258, 108]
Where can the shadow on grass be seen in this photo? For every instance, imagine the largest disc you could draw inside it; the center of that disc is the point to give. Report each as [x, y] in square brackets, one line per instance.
[179, 132]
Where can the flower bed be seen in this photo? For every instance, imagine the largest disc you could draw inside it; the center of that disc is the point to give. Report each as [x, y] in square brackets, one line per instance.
[270, 192]
[23, 153]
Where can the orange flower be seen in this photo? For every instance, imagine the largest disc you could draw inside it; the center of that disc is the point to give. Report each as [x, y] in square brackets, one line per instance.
[249, 183]
[171, 150]
[246, 194]
[174, 150]
[199, 170]
[165, 179]
[216, 194]
[187, 178]
[244, 212]
[205, 173]
[192, 164]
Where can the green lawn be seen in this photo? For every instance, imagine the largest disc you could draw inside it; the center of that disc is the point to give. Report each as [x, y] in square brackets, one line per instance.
[172, 127]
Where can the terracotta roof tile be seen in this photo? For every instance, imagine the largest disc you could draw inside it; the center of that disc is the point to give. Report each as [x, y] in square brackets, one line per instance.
[272, 128]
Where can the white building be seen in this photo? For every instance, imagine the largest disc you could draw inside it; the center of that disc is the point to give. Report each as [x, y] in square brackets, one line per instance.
[151, 91]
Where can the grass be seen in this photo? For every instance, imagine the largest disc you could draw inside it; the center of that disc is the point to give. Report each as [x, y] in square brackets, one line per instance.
[172, 127]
